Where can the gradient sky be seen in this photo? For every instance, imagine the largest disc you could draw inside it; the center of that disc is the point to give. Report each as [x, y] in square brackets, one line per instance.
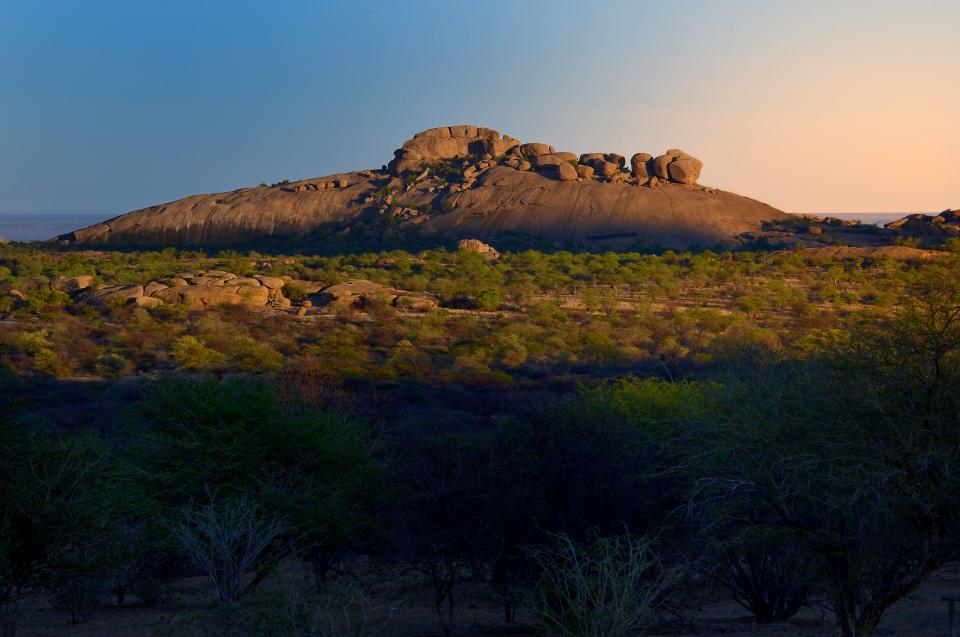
[811, 106]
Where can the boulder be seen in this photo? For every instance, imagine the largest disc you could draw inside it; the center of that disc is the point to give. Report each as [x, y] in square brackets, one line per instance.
[614, 158]
[685, 170]
[272, 282]
[220, 274]
[475, 245]
[2, 240]
[147, 301]
[548, 160]
[677, 166]
[639, 165]
[585, 172]
[566, 172]
[416, 302]
[660, 166]
[534, 149]
[405, 160]
[605, 168]
[445, 142]
[205, 280]
[589, 158]
[499, 147]
[150, 288]
[243, 280]
[355, 292]
[196, 296]
[116, 293]
[72, 283]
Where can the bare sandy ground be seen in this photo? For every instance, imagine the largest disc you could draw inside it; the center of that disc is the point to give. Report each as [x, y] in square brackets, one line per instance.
[922, 614]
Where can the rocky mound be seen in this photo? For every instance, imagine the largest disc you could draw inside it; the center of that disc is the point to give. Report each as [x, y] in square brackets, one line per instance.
[2, 240]
[217, 287]
[205, 289]
[947, 223]
[360, 293]
[458, 182]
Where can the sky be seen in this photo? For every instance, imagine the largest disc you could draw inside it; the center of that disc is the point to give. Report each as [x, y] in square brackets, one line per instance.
[811, 106]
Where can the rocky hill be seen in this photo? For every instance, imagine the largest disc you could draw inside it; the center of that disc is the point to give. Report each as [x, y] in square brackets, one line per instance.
[458, 182]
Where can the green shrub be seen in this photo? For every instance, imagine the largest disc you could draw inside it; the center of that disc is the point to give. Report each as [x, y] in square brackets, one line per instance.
[189, 352]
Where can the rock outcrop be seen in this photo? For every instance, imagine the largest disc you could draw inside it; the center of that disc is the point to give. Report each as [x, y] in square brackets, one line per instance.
[457, 182]
[947, 223]
[360, 293]
[475, 245]
[206, 289]
[72, 283]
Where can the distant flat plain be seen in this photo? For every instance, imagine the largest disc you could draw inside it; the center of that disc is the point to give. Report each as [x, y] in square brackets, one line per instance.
[23, 226]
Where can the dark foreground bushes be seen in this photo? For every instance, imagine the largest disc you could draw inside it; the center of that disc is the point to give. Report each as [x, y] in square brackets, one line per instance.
[827, 479]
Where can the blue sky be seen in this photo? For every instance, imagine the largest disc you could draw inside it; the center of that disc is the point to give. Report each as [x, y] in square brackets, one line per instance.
[108, 106]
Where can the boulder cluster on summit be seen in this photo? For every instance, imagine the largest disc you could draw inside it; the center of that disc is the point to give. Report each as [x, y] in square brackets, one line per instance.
[487, 145]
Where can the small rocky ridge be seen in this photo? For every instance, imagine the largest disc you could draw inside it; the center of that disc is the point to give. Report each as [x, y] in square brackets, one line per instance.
[360, 294]
[204, 289]
[490, 149]
[945, 223]
[217, 287]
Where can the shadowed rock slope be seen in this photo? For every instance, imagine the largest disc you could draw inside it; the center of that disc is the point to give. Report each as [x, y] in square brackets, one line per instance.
[460, 182]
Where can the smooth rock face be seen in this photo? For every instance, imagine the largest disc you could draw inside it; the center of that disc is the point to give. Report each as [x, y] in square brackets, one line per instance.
[533, 204]
[455, 182]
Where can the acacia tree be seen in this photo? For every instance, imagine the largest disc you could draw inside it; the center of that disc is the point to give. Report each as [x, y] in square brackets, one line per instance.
[853, 455]
[209, 441]
[444, 518]
[54, 504]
